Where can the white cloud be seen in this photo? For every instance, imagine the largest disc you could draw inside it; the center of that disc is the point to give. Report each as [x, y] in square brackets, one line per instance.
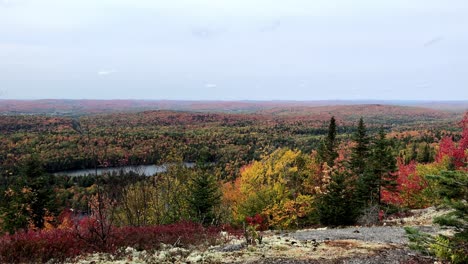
[211, 85]
[433, 41]
[106, 72]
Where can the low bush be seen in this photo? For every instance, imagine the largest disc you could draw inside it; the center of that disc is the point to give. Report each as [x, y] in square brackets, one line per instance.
[180, 234]
[57, 245]
[40, 246]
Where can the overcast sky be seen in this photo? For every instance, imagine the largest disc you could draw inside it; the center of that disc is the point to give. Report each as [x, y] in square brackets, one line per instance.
[234, 49]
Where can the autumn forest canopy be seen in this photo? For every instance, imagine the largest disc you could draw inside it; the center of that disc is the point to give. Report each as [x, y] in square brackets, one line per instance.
[266, 166]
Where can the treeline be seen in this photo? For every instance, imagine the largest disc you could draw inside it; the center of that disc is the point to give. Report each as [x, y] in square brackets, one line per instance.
[157, 137]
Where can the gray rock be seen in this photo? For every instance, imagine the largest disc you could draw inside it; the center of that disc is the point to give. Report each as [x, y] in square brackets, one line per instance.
[377, 234]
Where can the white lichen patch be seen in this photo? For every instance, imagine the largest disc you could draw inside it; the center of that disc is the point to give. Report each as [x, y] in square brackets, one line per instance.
[419, 217]
[236, 251]
[349, 248]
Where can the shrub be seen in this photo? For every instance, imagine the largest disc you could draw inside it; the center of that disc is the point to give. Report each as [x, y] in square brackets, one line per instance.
[370, 215]
[453, 187]
[40, 246]
[61, 244]
[257, 221]
[180, 234]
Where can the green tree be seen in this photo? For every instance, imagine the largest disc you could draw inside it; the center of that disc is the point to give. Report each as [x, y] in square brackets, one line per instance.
[414, 152]
[426, 155]
[379, 174]
[360, 152]
[30, 197]
[204, 197]
[327, 150]
[171, 203]
[452, 186]
[335, 205]
[13, 210]
[137, 204]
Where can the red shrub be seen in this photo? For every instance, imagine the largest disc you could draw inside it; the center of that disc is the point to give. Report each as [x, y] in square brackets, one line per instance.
[98, 235]
[39, 246]
[258, 221]
[181, 234]
[232, 231]
[60, 244]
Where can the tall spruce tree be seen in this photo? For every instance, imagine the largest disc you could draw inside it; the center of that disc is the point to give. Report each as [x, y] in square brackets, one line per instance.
[335, 205]
[379, 173]
[360, 152]
[204, 197]
[327, 150]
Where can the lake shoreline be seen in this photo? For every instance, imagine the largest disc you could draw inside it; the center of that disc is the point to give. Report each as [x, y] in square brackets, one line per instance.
[147, 170]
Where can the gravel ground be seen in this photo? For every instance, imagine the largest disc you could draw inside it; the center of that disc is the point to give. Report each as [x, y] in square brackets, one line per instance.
[351, 245]
[378, 234]
[397, 256]
[381, 234]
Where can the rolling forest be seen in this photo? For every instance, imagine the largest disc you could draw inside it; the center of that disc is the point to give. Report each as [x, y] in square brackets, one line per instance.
[272, 168]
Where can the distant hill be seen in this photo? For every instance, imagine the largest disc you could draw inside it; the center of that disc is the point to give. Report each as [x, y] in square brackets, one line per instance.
[377, 113]
[83, 107]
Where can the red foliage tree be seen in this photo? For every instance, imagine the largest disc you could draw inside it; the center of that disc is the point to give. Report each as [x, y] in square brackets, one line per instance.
[456, 154]
[409, 185]
[463, 145]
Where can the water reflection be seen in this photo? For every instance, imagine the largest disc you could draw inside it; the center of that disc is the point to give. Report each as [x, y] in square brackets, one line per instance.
[147, 170]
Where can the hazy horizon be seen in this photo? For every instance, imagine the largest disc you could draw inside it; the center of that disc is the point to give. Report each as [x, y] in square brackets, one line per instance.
[248, 100]
[4, 98]
[258, 50]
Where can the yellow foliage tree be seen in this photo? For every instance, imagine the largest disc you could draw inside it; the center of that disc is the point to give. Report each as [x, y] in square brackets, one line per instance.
[428, 195]
[273, 187]
[160, 200]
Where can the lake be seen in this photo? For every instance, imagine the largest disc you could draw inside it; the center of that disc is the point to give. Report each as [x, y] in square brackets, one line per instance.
[148, 170]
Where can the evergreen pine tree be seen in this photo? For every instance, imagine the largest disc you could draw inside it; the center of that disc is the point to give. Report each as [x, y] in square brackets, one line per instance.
[30, 198]
[379, 173]
[41, 186]
[414, 152]
[327, 150]
[204, 197]
[360, 152]
[384, 164]
[335, 206]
